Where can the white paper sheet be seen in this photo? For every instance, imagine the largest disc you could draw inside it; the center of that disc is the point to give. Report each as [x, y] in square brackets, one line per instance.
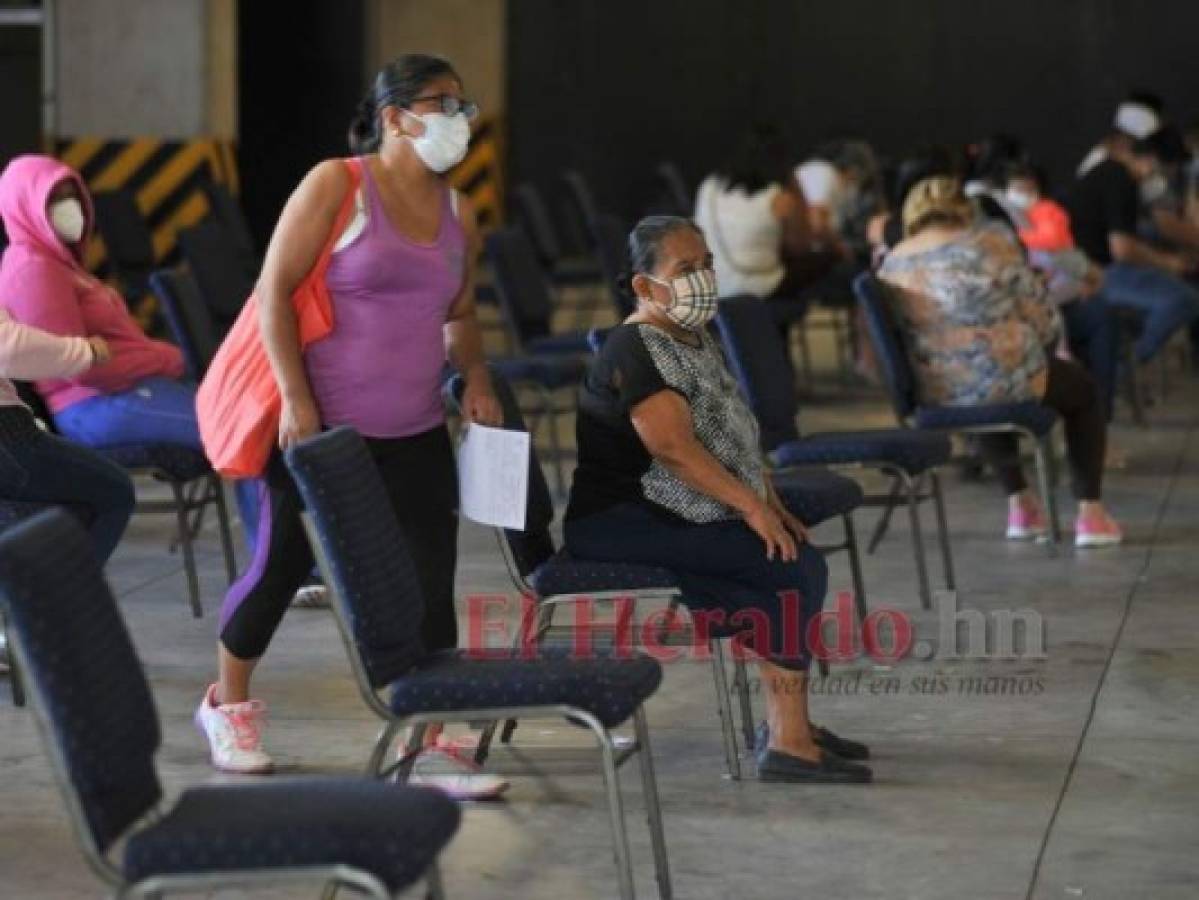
[493, 476]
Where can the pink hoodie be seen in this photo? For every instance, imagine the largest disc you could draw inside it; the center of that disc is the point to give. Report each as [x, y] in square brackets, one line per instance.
[43, 283]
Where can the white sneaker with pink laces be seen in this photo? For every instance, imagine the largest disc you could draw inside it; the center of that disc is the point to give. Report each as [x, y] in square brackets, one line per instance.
[448, 768]
[234, 732]
[1096, 531]
[1026, 524]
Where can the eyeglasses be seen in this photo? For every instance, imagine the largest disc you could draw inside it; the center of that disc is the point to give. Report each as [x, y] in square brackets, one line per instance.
[451, 105]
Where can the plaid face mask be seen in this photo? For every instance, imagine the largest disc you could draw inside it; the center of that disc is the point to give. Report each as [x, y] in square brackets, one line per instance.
[694, 298]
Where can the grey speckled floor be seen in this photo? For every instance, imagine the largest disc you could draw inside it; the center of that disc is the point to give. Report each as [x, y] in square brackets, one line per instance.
[1085, 785]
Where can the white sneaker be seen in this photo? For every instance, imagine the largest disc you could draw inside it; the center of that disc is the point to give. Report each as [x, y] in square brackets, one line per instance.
[458, 777]
[234, 732]
[311, 596]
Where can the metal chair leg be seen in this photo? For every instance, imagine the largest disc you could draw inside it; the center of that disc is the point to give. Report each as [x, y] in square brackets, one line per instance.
[15, 683]
[855, 567]
[620, 836]
[1132, 390]
[653, 809]
[434, 890]
[913, 494]
[222, 521]
[744, 701]
[884, 522]
[189, 557]
[943, 532]
[1043, 454]
[551, 419]
[723, 709]
[330, 891]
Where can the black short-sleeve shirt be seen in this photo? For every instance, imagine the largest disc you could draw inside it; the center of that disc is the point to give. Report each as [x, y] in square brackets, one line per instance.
[636, 362]
[1103, 202]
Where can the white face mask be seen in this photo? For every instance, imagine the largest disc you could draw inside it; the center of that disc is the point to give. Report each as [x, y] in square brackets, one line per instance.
[67, 219]
[694, 297]
[1021, 200]
[444, 143]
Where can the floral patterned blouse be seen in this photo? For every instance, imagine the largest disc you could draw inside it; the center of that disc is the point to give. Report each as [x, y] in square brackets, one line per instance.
[977, 316]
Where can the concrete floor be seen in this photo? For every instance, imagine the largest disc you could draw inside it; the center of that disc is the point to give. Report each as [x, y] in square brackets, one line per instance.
[1085, 784]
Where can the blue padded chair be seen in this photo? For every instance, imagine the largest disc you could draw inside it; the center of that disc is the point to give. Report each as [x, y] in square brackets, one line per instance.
[552, 577]
[376, 596]
[101, 732]
[13, 512]
[909, 457]
[127, 239]
[1030, 420]
[188, 317]
[679, 195]
[193, 484]
[612, 248]
[533, 215]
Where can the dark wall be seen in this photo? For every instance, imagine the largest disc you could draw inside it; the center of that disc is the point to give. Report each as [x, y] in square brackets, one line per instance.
[298, 83]
[615, 86]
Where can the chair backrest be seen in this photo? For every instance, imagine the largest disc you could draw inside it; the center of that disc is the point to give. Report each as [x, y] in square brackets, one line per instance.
[377, 592]
[188, 316]
[227, 211]
[84, 679]
[889, 341]
[758, 359]
[533, 215]
[127, 238]
[213, 258]
[582, 203]
[612, 249]
[520, 282]
[597, 337]
[676, 189]
[533, 546]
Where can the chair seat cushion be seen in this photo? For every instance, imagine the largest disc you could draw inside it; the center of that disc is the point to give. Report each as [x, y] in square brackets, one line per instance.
[609, 689]
[565, 574]
[175, 462]
[393, 832]
[1036, 418]
[548, 371]
[909, 449]
[569, 342]
[815, 496]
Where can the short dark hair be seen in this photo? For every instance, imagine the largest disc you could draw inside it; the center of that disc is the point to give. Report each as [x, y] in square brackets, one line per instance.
[1166, 145]
[397, 84]
[758, 161]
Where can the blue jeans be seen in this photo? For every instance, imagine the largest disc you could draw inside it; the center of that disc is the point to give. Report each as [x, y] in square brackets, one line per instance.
[42, 468]
[1168, 303]
[720, 567]
[154, 411]
[1093, 333]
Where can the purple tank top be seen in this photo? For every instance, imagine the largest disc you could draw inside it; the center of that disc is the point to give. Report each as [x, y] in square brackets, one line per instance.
[380, 369]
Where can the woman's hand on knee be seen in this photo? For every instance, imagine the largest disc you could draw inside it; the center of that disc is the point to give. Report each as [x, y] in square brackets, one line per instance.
[770, 527]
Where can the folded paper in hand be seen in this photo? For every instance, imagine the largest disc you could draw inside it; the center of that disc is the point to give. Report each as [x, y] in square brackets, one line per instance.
[493, 476]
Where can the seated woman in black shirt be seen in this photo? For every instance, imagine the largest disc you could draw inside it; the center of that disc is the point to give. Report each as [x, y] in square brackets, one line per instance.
[670, 473]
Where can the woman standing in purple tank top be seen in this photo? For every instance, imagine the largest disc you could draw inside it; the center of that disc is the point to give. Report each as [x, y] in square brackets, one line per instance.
[403, 302]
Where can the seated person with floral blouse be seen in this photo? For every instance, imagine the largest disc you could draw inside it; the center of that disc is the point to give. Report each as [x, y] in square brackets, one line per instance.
[670, 474]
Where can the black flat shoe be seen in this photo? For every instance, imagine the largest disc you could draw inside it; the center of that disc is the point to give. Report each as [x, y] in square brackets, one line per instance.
[843, 747]
[825, 740]
[785, 768]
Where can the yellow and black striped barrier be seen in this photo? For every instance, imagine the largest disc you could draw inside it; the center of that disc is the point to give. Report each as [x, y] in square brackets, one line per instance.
[479, 175]
[165, 178]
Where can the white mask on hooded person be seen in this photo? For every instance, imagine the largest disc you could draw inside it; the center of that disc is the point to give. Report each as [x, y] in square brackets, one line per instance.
[67, 219]
[1020, 199]
[444, 141]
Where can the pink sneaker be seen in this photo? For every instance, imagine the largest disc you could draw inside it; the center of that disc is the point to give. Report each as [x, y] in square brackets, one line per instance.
[234, 732]
[1026, 524]
[448, 768]
[1096, 531]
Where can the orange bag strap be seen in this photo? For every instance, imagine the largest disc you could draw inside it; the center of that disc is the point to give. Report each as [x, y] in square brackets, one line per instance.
[354, 170]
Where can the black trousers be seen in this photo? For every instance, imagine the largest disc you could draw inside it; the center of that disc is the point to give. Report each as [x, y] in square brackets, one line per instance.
[421, 482]
[1072, 392]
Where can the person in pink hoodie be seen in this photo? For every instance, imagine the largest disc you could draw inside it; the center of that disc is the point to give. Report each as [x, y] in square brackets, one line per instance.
[134, 398]
[37, 467]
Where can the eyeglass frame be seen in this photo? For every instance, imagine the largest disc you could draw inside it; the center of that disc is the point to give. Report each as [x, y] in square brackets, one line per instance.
[468, 108]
